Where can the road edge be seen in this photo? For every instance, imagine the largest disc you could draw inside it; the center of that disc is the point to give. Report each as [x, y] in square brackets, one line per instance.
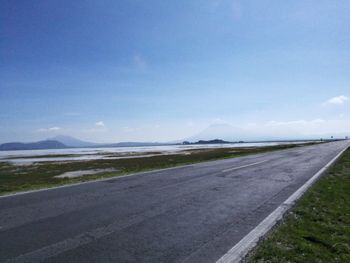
[123, 176]
[92, 181]
[239, 252]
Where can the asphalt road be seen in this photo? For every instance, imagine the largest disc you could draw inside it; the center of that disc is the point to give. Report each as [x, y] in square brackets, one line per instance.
[194, 213]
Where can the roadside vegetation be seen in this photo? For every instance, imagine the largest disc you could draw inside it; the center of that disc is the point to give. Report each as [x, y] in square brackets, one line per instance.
[16, 178]
[318, 228]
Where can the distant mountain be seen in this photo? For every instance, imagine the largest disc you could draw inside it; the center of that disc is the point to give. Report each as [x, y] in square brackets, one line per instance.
[47, 144]
[73, 142]
[62, 141]
[76, 143]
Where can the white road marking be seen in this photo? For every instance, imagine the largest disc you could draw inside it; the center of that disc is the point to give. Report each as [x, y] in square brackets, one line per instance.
[243, 166]
[237, 253]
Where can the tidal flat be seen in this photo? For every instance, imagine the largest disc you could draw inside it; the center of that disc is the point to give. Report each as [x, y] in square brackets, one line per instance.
[45, 172]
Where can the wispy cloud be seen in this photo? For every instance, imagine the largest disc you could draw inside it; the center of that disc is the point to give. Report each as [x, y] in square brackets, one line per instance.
[337, 100]
[100, 124]
[139, 61]
[304, 127]
[51, 129]
[128, 129]
[233, 6]
[294, 122]
[236, 10]
[72, 114]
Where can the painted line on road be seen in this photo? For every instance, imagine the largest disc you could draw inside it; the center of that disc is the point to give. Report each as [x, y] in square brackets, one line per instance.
[238, 252]
[243, 166]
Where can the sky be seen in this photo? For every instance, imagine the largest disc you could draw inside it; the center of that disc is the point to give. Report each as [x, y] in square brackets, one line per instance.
[109, 71]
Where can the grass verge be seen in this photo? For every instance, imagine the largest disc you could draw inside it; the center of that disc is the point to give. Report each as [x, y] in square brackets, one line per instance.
[317, 229]
[17, 178]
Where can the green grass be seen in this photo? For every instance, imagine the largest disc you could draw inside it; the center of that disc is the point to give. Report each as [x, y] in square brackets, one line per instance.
[318, 228]
[16, 178]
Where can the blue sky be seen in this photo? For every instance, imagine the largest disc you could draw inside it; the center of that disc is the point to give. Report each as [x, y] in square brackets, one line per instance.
[164, 70]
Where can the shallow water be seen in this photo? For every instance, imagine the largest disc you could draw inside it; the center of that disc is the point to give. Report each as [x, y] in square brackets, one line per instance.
[79, 154]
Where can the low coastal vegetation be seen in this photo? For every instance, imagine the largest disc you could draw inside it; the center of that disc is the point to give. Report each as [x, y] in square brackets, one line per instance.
[16, 178]
[318, 228]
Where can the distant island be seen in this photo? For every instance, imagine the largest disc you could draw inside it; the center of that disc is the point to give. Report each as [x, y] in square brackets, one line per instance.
[215, 141]
[63, 142]
[46, 144]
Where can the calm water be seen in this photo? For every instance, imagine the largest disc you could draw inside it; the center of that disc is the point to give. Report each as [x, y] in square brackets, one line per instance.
[17, 157]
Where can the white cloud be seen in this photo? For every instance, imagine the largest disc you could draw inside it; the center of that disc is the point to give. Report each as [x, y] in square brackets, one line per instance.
[337, 100]
[100, 124]
[51, 129]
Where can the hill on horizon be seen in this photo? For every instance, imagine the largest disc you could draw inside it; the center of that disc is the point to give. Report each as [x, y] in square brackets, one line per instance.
[73, 142]
[40, 145]
[64, 141]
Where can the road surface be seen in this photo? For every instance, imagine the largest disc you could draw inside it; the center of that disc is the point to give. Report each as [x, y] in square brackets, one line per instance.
[193, 213]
